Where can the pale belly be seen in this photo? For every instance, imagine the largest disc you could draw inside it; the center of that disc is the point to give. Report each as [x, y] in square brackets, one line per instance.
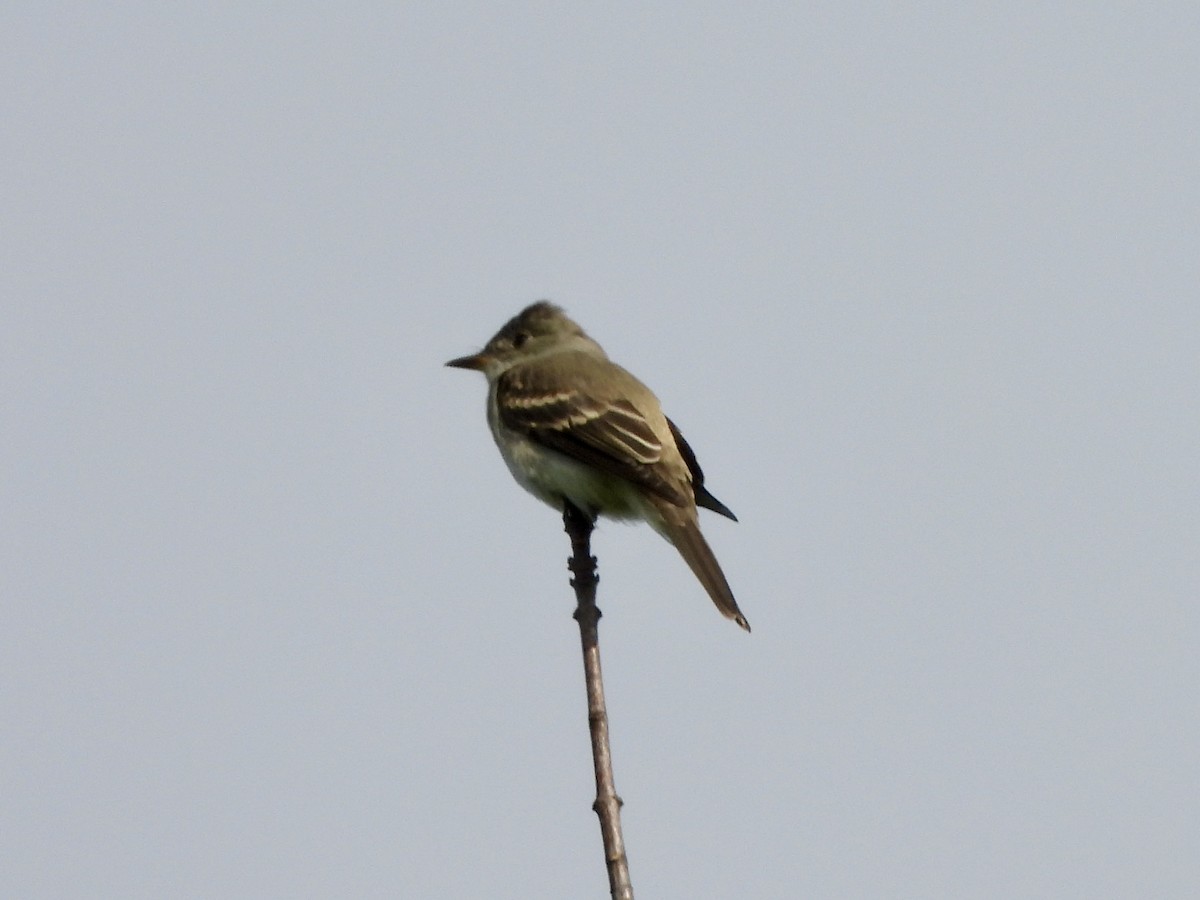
[551, 476]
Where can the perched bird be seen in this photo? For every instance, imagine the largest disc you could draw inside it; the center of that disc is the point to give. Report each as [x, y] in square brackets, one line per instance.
[574, 426]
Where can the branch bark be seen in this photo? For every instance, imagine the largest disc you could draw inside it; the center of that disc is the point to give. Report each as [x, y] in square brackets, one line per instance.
[607, 805]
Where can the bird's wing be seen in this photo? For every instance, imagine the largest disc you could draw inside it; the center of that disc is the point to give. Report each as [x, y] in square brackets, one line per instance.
[703, 496]
[592, 414]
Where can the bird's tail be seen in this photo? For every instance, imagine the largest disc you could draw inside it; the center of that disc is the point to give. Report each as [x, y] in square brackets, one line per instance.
[681, 528]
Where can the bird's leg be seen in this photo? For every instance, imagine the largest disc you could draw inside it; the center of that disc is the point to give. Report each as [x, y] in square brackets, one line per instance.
[578, 525]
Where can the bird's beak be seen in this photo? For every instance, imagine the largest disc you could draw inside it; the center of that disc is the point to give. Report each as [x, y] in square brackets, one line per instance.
[475, 361]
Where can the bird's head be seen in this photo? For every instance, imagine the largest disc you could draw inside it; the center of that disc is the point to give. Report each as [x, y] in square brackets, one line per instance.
[537, 330]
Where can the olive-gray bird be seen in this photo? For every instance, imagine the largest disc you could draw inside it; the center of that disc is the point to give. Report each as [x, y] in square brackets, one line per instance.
[574, 426]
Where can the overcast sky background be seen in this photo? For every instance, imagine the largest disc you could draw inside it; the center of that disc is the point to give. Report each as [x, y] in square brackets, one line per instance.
[918, 282]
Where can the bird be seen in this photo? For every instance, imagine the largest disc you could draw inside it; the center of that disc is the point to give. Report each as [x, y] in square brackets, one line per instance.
[575, 427]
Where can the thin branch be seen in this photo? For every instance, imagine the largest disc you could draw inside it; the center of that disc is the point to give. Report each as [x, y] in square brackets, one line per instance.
[608, 805]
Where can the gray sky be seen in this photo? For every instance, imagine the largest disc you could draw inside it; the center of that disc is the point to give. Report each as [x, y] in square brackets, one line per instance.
[919, 282]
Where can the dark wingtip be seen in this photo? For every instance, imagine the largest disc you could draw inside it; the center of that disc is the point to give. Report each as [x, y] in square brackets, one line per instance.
[708, 501]
[703, 497]
[741, 620]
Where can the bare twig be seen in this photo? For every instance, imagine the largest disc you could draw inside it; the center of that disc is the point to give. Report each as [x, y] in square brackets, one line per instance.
[608, 805]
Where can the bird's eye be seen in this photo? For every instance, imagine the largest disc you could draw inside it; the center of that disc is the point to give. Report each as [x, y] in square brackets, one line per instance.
[520, 338]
